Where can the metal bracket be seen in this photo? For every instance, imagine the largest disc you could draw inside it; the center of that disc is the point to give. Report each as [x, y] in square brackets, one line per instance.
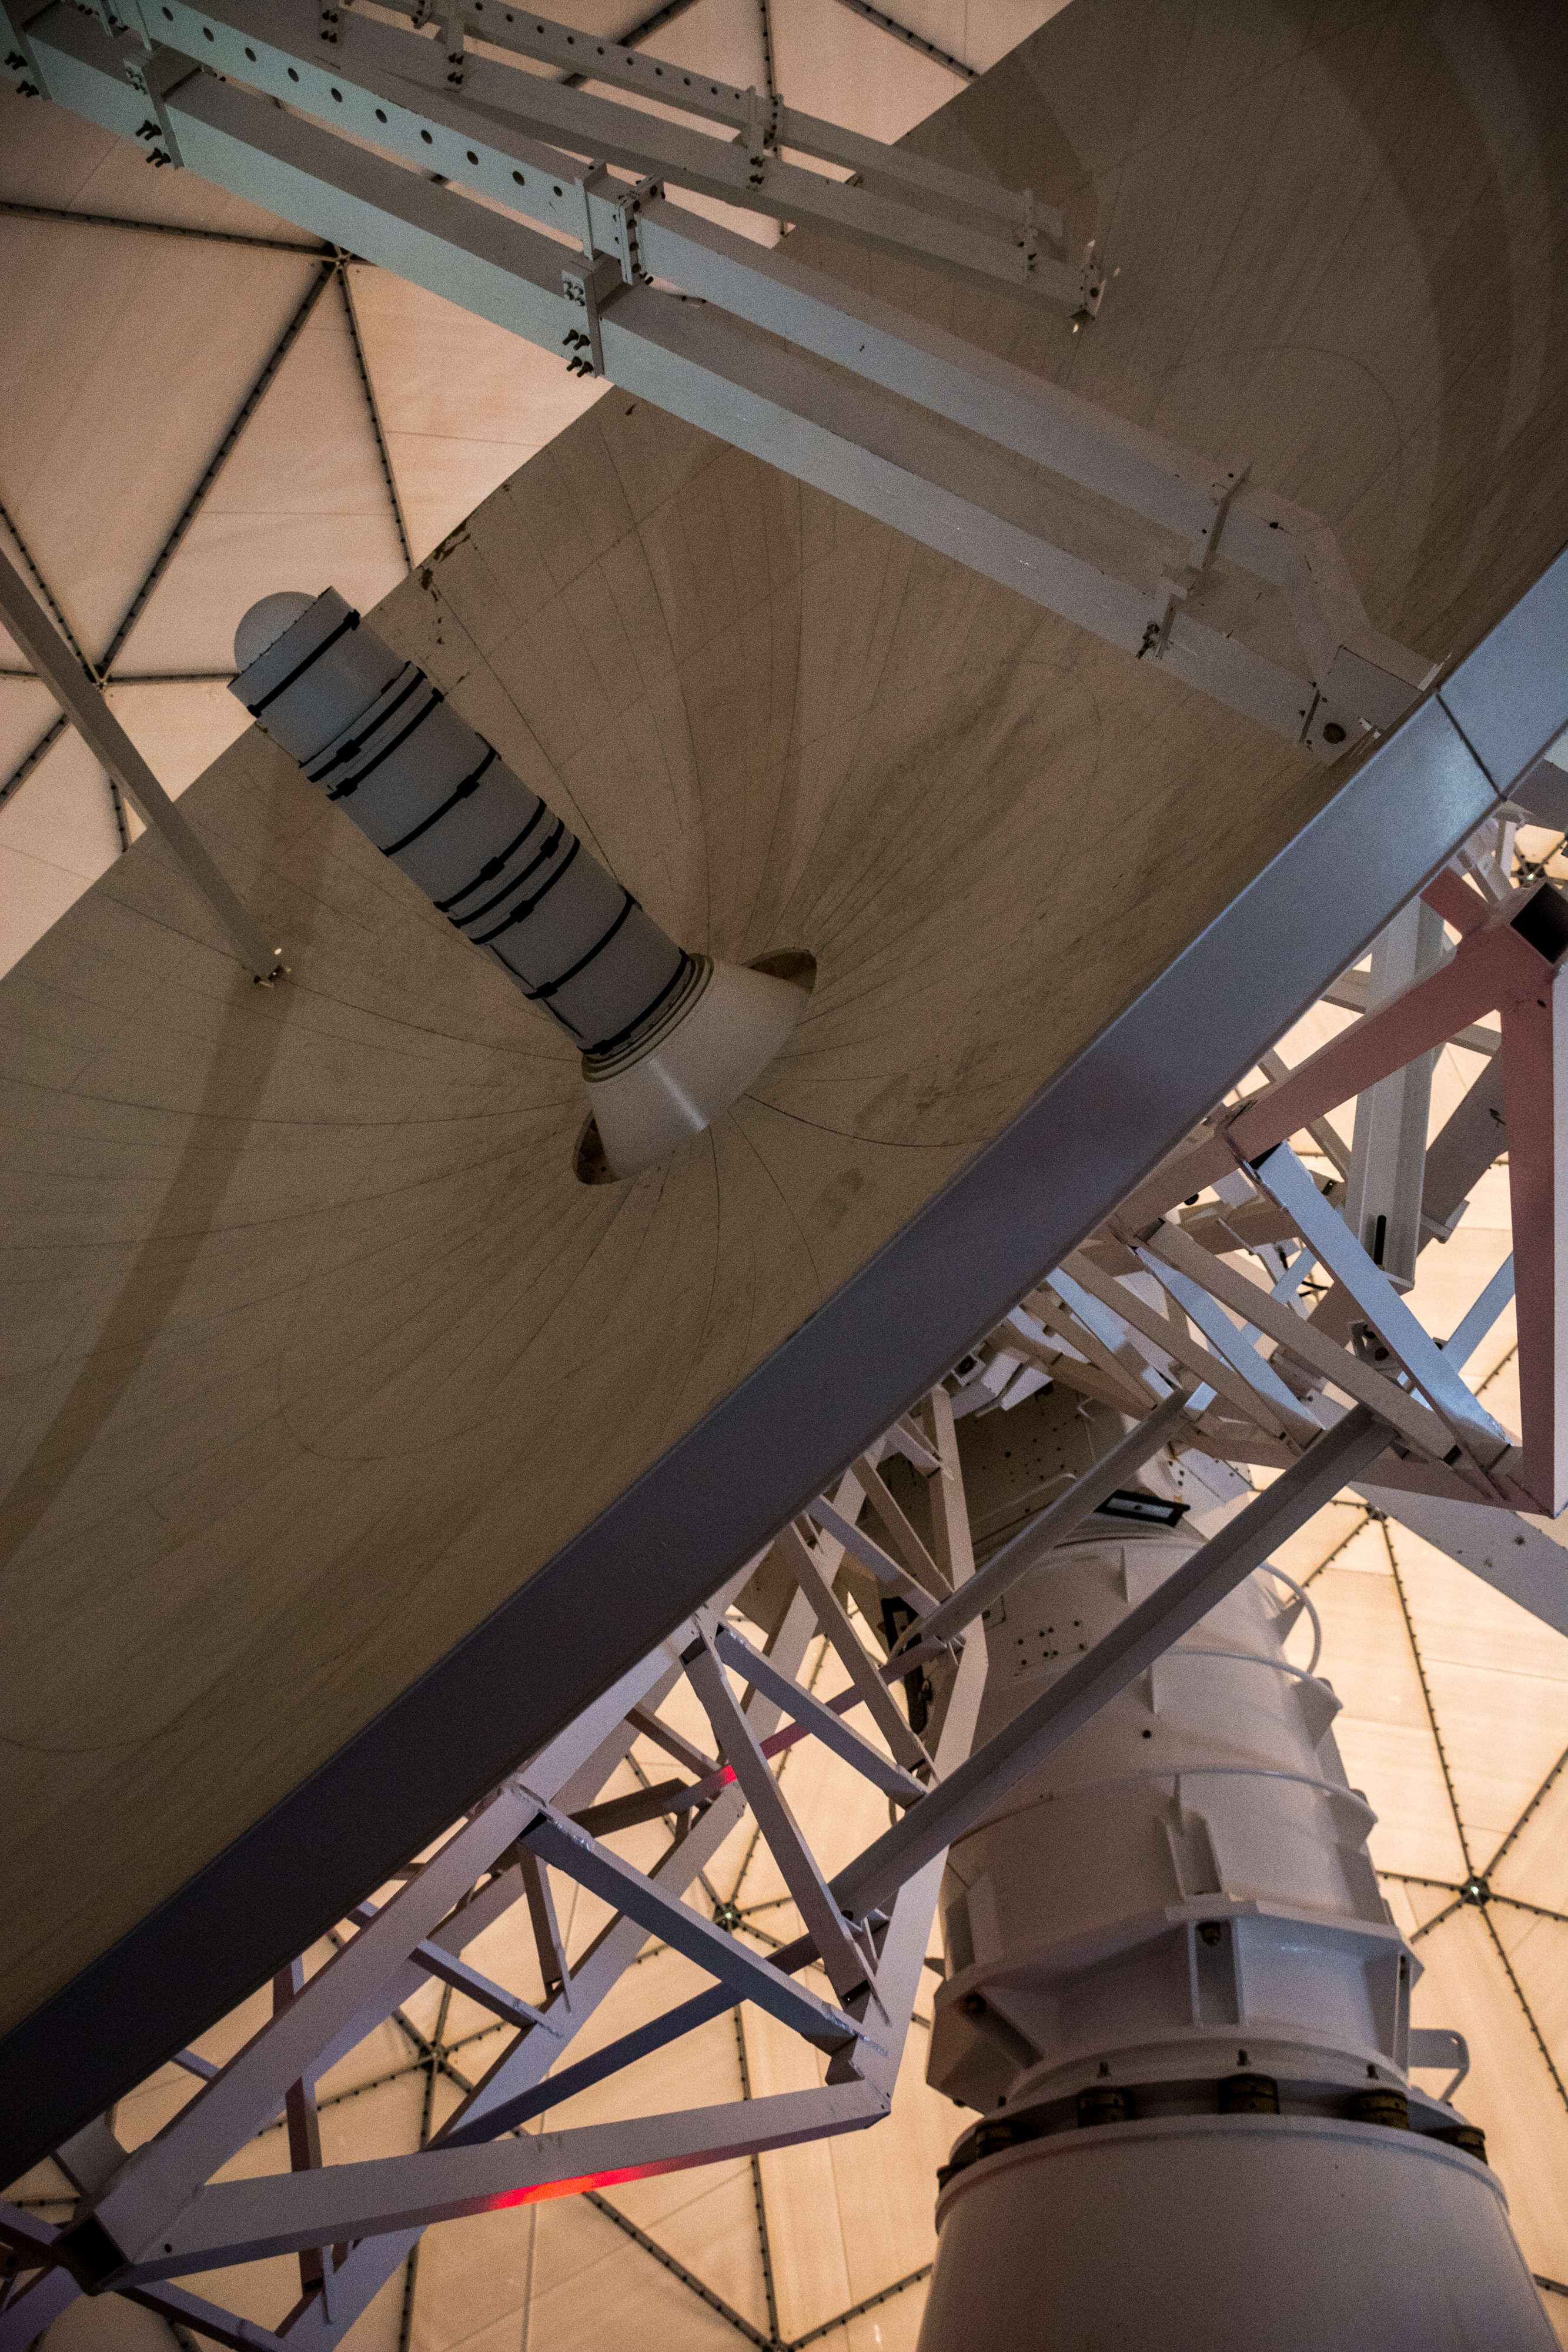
[1091, 277]
[1330, 725]
[1203, 544]
[21, 59]
[1169, 590]
[1173, 588]
[455, 47]
[624, 228]
[156, 74]
[764, 128]
[587, 290]
[108, 15]
[589, 182]
[1029, 239]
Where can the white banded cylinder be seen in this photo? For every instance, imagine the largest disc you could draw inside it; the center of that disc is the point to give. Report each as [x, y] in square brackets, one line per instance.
[1177, 1998]
[383, 743]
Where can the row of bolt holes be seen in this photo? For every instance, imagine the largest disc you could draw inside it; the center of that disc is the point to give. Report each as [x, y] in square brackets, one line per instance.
[207, 34]
[1041, 1630]
[380, 117]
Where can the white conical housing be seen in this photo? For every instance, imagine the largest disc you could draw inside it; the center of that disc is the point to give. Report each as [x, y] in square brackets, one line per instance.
[728, 1033]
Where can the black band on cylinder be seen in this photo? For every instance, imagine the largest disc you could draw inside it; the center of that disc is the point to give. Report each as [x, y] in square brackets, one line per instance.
[520, 914]
[351, 784]
[548, 988]
[608, 1044]
[475, 913]
[255, 708]
[470, 784]
[488, 871]
[356, 743]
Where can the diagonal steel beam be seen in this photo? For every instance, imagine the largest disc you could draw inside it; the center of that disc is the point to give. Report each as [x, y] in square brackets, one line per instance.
[960, 1802]
[244, 2221]
[1535, 1079]
[157, 229]
[511, 2113]
[834, 1734]
[1506, 961]
[382, 451]
[219, 459]
[844, 1963]
[33, 760]
[566, 1849]
[162, 2178]
[1322, 1229]
[80, 696]
[897, 32]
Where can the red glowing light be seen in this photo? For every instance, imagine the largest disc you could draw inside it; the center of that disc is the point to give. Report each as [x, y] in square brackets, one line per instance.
[542, 2194]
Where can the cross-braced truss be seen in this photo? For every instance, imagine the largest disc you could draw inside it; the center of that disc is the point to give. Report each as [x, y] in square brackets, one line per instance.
[546, 1829]
[1189, 1313]
[1149, 546]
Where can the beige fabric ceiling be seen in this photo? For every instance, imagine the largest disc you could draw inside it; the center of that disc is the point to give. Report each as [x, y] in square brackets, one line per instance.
[131, 353]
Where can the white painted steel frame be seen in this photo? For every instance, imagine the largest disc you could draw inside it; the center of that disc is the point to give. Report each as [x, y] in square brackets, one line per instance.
[880, 1343]
[158, 2215]
[607, 61]
[817, 404]
[314, 2210]
[155, 2215]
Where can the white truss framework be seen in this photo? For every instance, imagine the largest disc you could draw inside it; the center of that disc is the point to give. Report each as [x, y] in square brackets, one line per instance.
[1148, 545]
[1233, 1364]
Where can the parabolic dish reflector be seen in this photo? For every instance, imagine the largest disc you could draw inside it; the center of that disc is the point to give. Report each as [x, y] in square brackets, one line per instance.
[355, 1442]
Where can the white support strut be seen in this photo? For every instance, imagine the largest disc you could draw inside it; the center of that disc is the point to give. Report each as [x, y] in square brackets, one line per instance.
[1111, 528]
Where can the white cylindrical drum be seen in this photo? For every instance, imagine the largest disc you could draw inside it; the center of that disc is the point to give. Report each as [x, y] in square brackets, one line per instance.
[1238, 2233]
[1176, 1999]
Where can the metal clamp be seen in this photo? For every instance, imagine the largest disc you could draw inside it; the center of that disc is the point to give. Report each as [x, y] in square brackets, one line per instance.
[1202, 546]
[1169, 590]
[21, 59]
[156, 74]
[624, 228]
[587, 290]
[764, 128]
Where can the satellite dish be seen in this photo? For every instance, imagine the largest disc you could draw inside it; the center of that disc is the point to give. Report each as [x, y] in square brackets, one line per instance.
[360, 1440]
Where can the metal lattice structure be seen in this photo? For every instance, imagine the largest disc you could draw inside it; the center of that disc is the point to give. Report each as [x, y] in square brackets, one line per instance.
[1247, 1307]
